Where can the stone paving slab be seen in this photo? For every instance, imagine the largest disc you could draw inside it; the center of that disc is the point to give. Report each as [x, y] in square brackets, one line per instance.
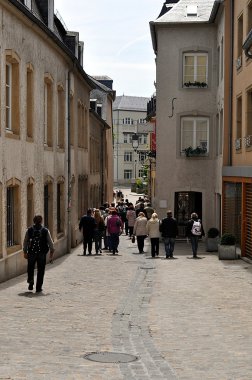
[183, 319]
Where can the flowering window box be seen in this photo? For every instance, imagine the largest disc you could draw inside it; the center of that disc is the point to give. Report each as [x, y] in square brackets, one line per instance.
[195, 84]
[197, 152]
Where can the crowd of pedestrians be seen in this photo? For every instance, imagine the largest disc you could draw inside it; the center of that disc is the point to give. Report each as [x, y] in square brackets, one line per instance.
[101, 228]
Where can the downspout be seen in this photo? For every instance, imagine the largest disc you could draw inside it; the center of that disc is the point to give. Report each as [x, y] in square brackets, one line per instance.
[69, 179]
[231, 57]
[102, 165]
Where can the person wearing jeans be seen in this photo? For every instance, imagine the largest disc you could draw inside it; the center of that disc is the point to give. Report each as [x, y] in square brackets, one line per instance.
[191, 234]
[169, 231]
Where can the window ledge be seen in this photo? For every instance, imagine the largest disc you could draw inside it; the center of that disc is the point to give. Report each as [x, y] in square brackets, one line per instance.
[13, 248]
[29, 139]
[11, 135]
[60, 150]
[49, 148]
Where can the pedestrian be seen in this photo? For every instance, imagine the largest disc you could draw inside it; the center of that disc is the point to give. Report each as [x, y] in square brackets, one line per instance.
[169, 232]
[87, 225]
[98, 231]
[141, 209]
[131, 217]
[114, 226]
[154, 234]
[37, 242]
[140, 231]
[194, 231]
[105, 235]
[149, 210]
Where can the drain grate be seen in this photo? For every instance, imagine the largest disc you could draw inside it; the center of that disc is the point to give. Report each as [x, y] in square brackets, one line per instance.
[110, 357]
[148, 267]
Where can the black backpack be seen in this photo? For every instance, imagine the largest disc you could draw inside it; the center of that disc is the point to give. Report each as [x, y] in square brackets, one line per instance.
[37, 240]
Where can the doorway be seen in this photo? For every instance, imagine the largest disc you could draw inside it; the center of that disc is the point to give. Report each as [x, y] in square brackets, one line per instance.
[186, 202]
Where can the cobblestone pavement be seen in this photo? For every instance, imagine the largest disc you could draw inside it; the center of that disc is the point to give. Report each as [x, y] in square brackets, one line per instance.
[183, 319]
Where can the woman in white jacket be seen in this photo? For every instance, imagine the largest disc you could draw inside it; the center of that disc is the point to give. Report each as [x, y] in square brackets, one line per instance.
[154, 234]
[140, 231]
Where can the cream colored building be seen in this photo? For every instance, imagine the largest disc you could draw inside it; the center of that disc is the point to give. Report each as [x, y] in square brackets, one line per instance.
[237, 172]
[188, 42]
[128, 113]
[48, 139]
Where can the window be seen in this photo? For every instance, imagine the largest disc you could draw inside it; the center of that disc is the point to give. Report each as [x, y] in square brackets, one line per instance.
[142, 121]
[249, 17]
[142, 138]
[61, 117]
[48, 111]
[141, 173]
[127, 138]
[195, 69]
[60, 207]
[29, 101]
[239, 41]
[249, 113]
[127, 120]
[72, 120]
[128, 156]
[8, 96]
[13, 213]
[30, 202]
[195, 133]
[48, 205]
[127, 174]
[12, 91]
[239, 118]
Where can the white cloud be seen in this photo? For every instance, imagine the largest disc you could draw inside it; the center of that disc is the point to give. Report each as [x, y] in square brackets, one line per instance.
[117, 40]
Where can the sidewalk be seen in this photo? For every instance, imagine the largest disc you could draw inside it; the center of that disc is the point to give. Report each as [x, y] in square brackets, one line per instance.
[183, 319]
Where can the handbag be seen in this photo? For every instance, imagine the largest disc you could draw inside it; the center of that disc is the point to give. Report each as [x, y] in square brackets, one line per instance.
[133, 239]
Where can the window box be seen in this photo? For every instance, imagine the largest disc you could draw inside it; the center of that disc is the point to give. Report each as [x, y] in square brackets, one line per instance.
[197, 152]
[195, 84]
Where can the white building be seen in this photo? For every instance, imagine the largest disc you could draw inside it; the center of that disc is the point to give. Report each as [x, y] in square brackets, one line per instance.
[128, 113]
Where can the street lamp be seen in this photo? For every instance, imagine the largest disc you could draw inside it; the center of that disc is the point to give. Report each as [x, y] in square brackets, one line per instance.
[135, 142]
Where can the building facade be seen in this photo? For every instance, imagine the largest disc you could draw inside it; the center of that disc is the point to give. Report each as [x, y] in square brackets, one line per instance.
[188, 104]
[129, 112]
[47, 134]
[237, 173]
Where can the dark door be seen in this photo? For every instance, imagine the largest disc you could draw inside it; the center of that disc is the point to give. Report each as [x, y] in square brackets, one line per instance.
[186, 202]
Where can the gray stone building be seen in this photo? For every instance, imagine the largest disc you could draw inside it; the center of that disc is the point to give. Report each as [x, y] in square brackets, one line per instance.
[187, 39]
[49, 138]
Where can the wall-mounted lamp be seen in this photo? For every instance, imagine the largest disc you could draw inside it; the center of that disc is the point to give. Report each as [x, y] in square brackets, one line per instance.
[135, 142]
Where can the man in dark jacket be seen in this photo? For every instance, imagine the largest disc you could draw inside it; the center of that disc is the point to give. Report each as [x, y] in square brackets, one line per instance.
[37, 243]
[169, 231]
[87, 225]
[194, 230]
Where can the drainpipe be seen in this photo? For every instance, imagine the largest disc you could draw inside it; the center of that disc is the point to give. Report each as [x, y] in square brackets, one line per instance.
[69, 179]
[102, 164]
[231, 57]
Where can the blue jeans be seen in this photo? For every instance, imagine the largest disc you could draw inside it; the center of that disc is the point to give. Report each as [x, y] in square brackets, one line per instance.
[169, 246]
[194, 243]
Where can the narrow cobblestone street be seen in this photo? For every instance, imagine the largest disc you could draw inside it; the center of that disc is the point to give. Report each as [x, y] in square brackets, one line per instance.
[183, 319]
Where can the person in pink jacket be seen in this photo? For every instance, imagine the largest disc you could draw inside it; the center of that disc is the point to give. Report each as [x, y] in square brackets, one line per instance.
[114, 226]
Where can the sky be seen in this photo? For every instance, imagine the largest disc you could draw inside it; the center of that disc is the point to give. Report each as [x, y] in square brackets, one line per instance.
[117, 40]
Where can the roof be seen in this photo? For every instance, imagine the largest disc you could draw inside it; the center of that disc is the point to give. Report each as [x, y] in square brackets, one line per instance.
[130, 103]
[178, 12]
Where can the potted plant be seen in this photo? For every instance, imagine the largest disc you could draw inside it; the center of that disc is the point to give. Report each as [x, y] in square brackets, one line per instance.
[212, 239]
[227, 248]
[198, 151]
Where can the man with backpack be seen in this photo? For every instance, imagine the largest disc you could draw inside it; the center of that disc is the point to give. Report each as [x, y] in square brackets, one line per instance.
[194, 230]
[37, 243]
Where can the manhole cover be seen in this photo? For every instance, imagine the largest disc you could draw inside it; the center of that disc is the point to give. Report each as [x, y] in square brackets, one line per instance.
[110, 357]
